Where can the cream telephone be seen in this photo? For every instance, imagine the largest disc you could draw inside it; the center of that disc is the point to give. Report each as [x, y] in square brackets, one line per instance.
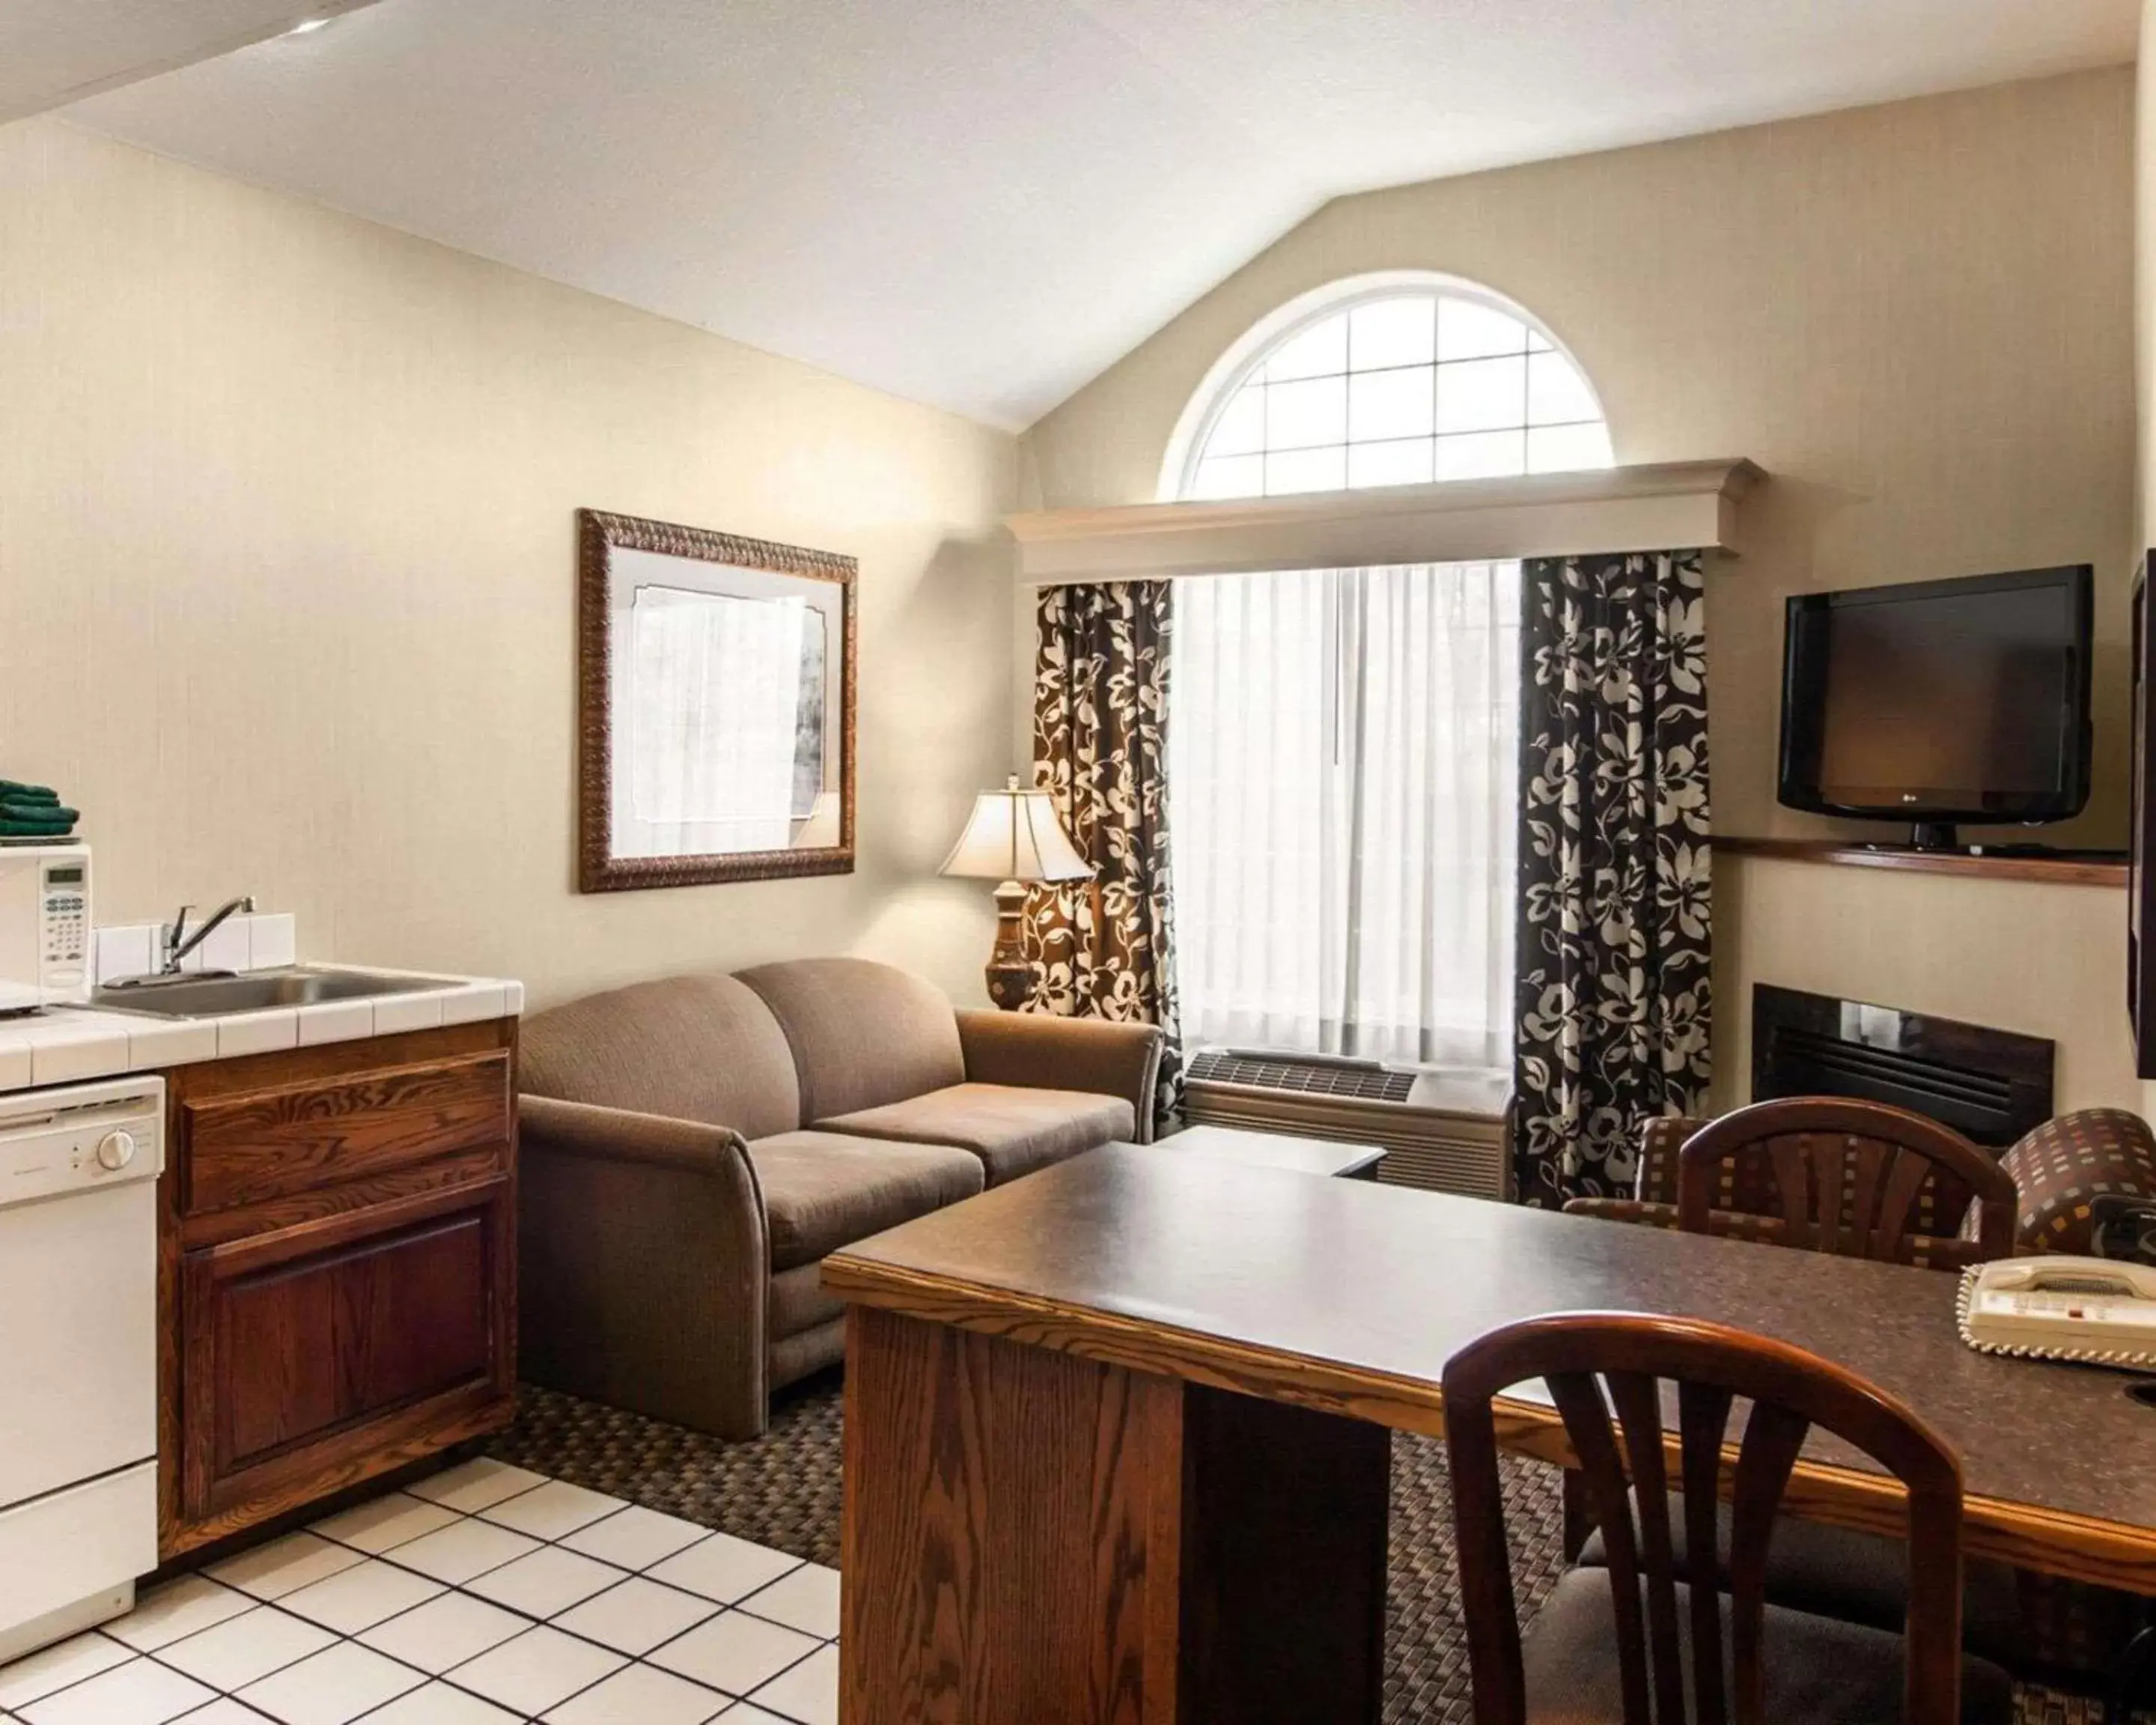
[2095, 1311]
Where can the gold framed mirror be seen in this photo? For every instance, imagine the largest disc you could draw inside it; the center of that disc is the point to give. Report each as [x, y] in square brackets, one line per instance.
[716, 682]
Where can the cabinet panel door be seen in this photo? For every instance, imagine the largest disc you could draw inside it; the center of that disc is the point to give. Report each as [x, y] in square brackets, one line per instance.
[318, 1355]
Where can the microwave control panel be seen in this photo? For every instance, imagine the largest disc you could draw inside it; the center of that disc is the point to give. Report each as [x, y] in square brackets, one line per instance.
[63, 925]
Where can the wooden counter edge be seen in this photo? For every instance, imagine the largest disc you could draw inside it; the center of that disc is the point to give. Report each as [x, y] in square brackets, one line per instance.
[2085, 1548]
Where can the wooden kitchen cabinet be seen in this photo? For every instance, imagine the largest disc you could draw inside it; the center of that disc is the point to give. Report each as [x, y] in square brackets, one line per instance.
[337, 1270]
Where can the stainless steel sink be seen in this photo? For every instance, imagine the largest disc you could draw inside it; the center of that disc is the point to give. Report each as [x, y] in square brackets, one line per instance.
[202, 997]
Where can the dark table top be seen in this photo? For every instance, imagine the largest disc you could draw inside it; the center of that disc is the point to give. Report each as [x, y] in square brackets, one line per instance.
[1352, 1296]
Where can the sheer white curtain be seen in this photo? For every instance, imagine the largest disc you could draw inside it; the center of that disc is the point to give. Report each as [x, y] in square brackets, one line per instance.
[1343, 756]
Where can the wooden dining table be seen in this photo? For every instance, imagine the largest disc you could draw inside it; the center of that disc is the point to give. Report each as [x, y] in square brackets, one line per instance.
[1118, 1435]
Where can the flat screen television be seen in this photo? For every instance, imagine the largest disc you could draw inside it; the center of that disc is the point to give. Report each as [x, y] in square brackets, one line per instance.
[1939, 701]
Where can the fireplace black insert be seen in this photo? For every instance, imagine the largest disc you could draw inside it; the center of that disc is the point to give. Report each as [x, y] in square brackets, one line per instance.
[1990, 1085]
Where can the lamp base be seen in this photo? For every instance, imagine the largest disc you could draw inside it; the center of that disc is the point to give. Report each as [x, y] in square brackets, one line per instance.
[1010, 975]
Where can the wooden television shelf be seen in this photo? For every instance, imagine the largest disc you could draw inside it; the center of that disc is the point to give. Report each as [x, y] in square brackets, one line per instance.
[2058, 871]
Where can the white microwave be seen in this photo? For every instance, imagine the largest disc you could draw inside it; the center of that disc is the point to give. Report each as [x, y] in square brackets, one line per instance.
[45, 927]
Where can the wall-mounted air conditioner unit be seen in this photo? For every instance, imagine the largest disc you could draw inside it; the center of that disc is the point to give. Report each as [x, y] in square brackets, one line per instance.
[1446, 1130]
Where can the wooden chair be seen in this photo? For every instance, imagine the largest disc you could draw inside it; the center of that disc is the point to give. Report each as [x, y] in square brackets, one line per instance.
[1835, 1174]
[1594, 1655]
[1848, 1175]
[2037, 1623]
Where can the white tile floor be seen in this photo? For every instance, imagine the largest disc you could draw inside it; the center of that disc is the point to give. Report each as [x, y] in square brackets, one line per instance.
[482, 1595]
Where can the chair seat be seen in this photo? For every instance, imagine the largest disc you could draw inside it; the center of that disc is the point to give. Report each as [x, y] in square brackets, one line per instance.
[1860, 1577]
[825, 1190]
[1013, 1129]
[1818, 1671]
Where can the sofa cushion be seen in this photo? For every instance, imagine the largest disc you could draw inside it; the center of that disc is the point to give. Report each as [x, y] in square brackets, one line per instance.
[1013, 1130]
[862, 1034]
[825, 1190]
[790, 1358]
[797, 1302]
[703, 1048]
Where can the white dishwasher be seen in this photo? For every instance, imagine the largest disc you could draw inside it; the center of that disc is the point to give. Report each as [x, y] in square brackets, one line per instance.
[79, 1171]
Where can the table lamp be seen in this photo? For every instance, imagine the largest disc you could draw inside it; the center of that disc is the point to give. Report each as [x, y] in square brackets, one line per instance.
[1013, 839]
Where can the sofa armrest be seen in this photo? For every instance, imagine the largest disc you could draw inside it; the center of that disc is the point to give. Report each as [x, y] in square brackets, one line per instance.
[1040, 1051]
[645, 1263]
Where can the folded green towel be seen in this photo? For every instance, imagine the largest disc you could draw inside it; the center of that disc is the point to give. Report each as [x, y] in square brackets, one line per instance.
[12, 792]
[35, 828]
[11, 809]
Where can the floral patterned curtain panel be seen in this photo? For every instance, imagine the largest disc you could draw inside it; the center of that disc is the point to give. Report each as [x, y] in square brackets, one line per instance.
[1104, 947]
[1615, 920]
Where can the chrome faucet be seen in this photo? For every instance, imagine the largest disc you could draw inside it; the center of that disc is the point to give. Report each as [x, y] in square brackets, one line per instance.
[178, 942]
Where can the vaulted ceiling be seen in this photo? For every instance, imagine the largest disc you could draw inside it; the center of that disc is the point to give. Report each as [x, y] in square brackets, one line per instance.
[978, 203]
[56, 51]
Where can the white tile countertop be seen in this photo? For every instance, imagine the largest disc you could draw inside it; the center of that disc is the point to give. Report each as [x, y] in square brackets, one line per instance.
[70, 1044]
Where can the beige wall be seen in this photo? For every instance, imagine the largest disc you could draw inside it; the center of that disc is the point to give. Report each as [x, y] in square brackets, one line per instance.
[2144, 279]
[1918, 319]
[286, 577]
[2144, 315]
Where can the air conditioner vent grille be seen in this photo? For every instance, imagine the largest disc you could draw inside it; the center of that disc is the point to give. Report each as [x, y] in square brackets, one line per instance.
[1316, 1078]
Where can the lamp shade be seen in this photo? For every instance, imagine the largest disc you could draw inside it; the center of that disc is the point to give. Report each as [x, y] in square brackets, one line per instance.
[1014, 835]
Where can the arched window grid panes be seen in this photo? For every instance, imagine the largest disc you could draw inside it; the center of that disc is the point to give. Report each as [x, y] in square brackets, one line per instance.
[1396, 385]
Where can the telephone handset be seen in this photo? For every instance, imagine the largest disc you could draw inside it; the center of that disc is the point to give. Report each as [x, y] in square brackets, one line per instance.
[2092, 1310]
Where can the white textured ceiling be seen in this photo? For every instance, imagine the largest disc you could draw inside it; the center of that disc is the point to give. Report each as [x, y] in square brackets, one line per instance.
[980, 203]
[56, 51]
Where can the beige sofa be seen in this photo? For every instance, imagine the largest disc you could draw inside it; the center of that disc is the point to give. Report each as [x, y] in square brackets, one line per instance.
[693, 1148]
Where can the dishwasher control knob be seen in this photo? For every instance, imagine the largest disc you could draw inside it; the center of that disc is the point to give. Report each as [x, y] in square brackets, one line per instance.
[115, 1150]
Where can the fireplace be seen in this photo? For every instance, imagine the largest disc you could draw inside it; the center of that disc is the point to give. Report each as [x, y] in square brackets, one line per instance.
[1990, 1085]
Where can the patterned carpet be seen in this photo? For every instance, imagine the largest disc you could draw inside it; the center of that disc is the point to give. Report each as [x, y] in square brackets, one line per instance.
[782, 1489]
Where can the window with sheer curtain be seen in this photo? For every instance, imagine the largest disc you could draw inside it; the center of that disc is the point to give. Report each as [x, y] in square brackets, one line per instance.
[1344, 743]
[1343, 749]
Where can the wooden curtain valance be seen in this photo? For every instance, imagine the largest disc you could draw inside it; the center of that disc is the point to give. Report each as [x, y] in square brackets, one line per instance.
[1668, 505]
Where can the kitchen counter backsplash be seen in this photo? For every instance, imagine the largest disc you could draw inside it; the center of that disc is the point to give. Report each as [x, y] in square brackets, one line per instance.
[260, 941]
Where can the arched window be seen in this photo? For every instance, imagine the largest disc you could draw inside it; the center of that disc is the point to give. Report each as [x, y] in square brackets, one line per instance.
[1395, 379]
